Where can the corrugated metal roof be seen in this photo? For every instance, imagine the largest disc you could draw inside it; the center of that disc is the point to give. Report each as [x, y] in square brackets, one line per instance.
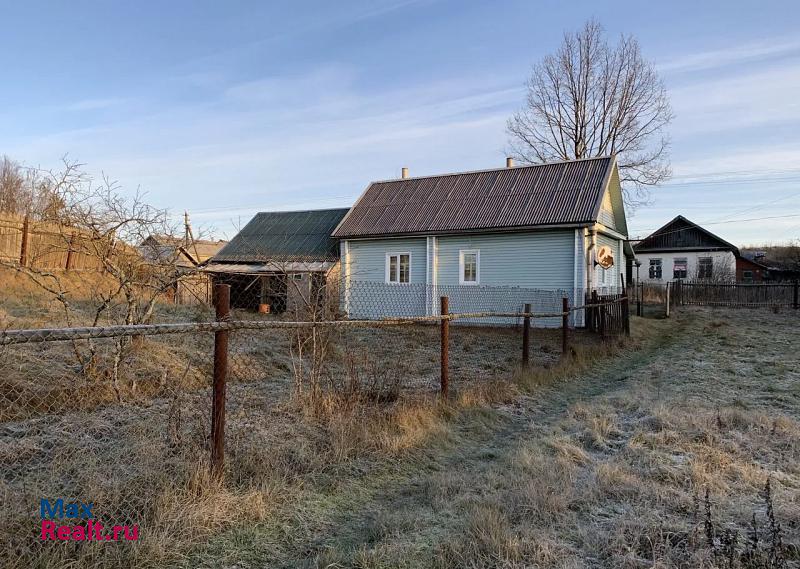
[277, 267]
[285, 236]
[525, 196]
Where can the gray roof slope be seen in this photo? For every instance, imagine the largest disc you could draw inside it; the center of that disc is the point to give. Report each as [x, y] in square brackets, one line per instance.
[285, 236]
[525, 196]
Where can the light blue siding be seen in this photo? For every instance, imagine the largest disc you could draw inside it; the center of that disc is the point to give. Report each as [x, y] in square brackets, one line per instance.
[368, 295]
[543, 260]
[519, 262]
[515, 268]
[367, 261]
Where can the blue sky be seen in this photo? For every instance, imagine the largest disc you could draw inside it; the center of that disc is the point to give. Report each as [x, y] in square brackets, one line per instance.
[227, 108]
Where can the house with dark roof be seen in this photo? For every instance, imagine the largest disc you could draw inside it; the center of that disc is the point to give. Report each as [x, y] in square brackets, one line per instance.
[280, 259]
[557, 227]
[682, 249]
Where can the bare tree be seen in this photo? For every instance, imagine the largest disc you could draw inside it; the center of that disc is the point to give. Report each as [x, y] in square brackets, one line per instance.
[28, 191]
[96, 220]
[714, 270]
[592, 99]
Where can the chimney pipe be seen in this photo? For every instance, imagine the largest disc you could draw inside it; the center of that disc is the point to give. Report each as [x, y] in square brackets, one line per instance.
[404, 174]
[509, 162]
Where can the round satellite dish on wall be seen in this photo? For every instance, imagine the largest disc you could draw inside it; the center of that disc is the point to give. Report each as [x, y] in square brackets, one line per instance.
[605, 257]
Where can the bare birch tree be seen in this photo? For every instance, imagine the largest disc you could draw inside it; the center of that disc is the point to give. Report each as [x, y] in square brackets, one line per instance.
[590, 99]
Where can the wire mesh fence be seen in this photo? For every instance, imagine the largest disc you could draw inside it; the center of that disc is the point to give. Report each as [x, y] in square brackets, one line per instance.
[107, 431]
[84, 448]
[375, 300]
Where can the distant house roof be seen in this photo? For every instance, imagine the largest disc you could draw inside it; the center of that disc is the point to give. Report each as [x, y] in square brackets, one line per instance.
[743, 261]
[680, 234]
[562, 193]
[186, 255]
[285, 236]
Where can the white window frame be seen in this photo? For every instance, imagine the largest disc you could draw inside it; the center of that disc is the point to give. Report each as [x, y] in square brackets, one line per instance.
[397, 254]
[477, 253]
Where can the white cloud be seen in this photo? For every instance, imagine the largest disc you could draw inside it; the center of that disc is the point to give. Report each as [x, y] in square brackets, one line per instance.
[747, 99]
[313, 138]
[95, 104]
[741, 163]
[731, 55]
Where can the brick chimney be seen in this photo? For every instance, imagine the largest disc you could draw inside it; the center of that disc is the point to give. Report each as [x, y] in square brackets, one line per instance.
[404, 174]
[509, 162]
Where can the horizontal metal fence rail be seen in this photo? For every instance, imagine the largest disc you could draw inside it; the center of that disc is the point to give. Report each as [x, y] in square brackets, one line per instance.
[32, 335]
[150, 413]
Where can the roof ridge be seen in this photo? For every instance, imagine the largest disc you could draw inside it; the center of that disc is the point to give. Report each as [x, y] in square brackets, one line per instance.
[305, 210]
[503, 168]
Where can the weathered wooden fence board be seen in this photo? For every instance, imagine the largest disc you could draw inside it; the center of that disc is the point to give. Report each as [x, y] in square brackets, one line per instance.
[736, 294]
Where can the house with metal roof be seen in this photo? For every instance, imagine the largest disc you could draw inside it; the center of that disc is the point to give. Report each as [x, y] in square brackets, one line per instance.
[681, 249]
[554, 227]
[280, 259]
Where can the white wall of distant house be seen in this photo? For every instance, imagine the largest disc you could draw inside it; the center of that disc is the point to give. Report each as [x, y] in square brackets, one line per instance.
[723, 261]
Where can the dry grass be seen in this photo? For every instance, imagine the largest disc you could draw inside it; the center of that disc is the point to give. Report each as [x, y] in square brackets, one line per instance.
[603, 464]
[594, 460]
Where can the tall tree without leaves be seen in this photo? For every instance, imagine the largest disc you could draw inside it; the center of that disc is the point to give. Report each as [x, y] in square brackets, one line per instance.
[591, 99]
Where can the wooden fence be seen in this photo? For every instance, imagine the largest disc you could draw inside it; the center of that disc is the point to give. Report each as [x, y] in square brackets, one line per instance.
[45, 245]
[53, 247]
[611, 317]
[735, 294]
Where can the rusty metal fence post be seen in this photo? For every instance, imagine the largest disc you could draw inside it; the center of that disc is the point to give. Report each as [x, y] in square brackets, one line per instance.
[564, 325]
[445, 341]
[222, 303]
[526, 331]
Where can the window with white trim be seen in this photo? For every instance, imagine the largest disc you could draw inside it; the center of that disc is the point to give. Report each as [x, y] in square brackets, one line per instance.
[469, 261]
[398, 268]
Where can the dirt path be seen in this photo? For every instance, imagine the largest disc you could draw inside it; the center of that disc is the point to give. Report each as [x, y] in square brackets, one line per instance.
[405, 514]
[473, 458]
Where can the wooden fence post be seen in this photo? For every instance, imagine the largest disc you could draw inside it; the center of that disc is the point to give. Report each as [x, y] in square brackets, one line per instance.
[445, 341]
[595, 312]
[23, 253]
[796, 288]
[68, 264]
[526, 331]
[564, 325]
[626, 315]
[222, 303]
[666, 302]
[639, 300]
[601, 317]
